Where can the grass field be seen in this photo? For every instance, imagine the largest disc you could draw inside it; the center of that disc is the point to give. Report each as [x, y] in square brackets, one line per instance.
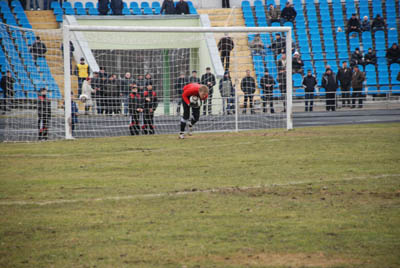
[312, 197]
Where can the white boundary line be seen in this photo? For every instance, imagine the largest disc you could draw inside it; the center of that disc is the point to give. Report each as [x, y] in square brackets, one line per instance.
[156, 195]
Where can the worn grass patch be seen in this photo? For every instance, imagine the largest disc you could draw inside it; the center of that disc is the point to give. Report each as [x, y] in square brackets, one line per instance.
[314, 197]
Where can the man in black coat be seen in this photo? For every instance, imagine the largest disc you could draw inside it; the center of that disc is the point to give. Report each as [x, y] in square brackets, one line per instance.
[344, 78]
[225, 46]
[38, 49]
[282, 78]
[7, 84]
[103, 7]
[393, 54]
[116, 7]
[353, 24]
[44, 114]
[182, 7]
[248, 86]
[180, 82]
[309, 83]
[330, 84]
[370, 57]
[288, 13]
[194, 78]
[356, 58]
[169, 7]
[208, 79]
[378, 24]
[267, 83]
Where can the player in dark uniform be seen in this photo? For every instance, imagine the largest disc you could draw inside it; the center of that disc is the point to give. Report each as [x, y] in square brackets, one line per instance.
[44, 114]
[191, 92]
[135, 108]
[150, 105]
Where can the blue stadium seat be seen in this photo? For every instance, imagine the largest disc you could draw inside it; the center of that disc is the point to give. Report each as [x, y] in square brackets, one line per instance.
[384, 89]
[32, 95]
[245, 3]
[54, 4]
[93, 11]
[147, 10]
[156, 5]
[144, 5]
[136, 11]
[66, 4]
[89, 5]
[372, 91]
[59, 17]
[126, 11]
[80, 11]
[69, 11]
[78, 4]
[133, 5]
[394, 67]
[58, 10]
[371, 81]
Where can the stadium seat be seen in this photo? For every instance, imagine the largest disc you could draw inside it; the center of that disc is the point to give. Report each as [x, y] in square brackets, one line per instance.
[66, 4]
[89, 5]
[155, 5]
[144, 5]
[126, 11]
[69, 11]
[372, 91]
[147, 10]
[93, 11]
[136, 11]
[384, 90]
[78, 4]
[80, 11]
[133, 5]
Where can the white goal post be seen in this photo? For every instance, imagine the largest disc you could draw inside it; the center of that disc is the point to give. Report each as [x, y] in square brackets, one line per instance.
[68, 31]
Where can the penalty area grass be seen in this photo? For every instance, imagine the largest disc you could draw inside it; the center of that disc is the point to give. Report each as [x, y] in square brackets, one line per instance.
[311, 197]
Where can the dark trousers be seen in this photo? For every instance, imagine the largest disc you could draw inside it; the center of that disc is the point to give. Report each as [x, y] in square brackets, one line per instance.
[309, 101]
[345, 94]
[134, 126]
[267, 98]
[248, 97]
[178, 106]
[186, 115]
[80, 82]
[99, 104]
[226, 56]
[207, 103]
[148, 122]
[225, 4]
[331, 101]
[43, 128]
[357, 94]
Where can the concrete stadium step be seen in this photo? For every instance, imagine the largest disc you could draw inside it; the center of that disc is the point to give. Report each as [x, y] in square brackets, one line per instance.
[243, 60]
[43, 19]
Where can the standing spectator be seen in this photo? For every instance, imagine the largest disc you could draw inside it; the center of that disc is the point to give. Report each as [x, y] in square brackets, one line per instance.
[150, 105]
[115, 94]
[36, 2]
[309, 84]
[329, 82]
[208, 79]
[44, 114]
[365, 24]
[169, 7]
[194, 78]
[248, 86]
[182, 7]
[370, 57]
[135, 109]
[344, 77]
[257, 46]
[95, 83]
[116, 7]
[378, 24]
[273, 15]
[278, 45]
[102, 94]
[103, 7]
[297, 64]
[125, 85]
[180, 83]
[82, 71]
[7, 84]
[71, 53]
[353, 25]
[393, 54]
[267, 83]
[38, 49]
[282, 78]
[356, 58]
[107, 95]
[288, 13]
[225, 4]
[357, 84]
[227, 91]
[225, 46]
[86, 96]
[148, 79]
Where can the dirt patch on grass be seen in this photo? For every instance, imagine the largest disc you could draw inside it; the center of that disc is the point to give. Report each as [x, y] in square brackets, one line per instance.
[281, 259]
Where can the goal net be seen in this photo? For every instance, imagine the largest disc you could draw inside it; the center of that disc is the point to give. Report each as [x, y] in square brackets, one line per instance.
[117, 81]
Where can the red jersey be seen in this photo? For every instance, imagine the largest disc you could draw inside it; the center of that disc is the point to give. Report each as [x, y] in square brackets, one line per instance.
[191, 90]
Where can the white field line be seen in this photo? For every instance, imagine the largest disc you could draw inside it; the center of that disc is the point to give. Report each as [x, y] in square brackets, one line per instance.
[190, 192]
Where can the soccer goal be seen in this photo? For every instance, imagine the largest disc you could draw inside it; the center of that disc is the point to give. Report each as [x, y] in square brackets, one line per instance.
[128, 80]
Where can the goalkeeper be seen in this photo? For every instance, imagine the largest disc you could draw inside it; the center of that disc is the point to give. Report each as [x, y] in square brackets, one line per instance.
[192, 96]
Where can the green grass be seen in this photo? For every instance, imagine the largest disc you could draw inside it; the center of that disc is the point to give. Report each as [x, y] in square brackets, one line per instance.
[312, 197]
